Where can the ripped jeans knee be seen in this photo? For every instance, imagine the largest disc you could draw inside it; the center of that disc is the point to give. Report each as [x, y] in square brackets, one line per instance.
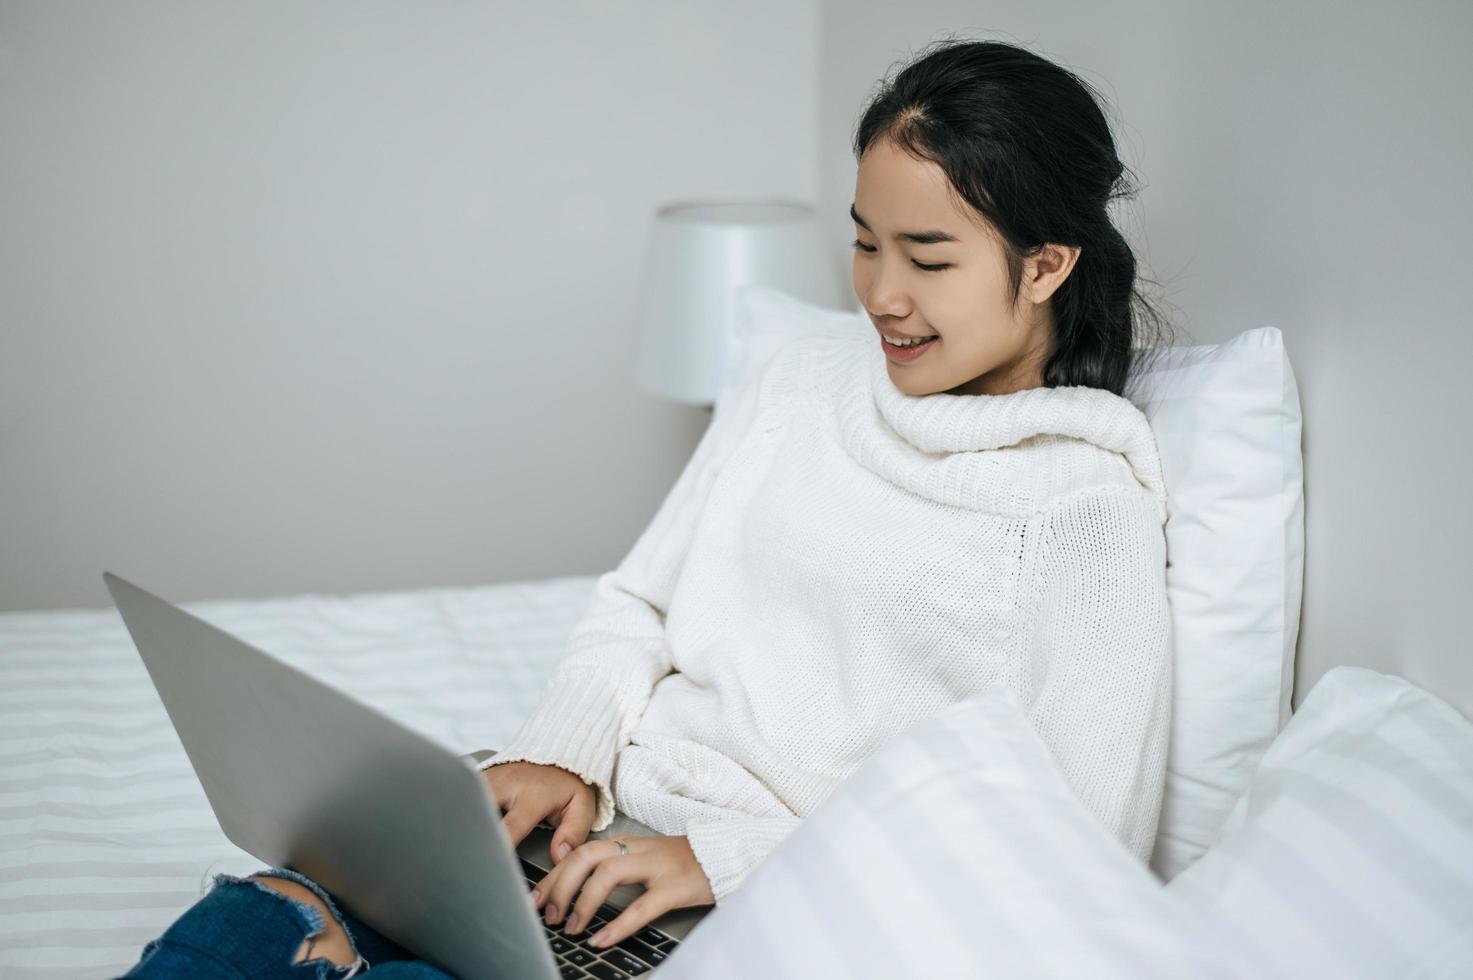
[316, 926]
[234, 932]
[244, 928]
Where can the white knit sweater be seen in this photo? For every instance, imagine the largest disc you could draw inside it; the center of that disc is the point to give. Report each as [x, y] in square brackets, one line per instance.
[840, 559]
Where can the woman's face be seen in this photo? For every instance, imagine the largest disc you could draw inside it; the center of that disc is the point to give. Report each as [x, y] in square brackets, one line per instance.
[983, 346]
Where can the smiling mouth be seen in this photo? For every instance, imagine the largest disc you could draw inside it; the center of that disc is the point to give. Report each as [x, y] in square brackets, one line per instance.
[898, 354]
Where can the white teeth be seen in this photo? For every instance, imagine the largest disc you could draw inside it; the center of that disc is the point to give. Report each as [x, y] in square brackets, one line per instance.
[902, 342]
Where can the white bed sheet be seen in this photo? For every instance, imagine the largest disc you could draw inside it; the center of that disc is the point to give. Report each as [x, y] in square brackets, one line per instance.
[105, 834]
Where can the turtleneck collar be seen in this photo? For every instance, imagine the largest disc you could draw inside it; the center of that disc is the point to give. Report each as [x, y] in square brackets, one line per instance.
[940, 443]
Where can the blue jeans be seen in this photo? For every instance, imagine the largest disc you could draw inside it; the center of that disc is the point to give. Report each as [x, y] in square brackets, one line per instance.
[243, 929]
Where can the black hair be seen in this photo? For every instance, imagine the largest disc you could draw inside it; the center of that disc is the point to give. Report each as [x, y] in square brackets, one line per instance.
[1026, 144]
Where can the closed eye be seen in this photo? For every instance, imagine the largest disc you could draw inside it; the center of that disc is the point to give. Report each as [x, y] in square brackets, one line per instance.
[919, 265]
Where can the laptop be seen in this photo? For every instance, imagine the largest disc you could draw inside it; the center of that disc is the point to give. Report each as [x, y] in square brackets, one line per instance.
[401, 831]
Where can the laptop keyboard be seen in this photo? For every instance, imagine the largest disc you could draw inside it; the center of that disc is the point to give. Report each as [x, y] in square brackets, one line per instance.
[577, 960]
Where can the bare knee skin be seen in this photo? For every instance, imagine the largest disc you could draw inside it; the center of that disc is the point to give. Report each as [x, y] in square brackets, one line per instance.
[332, 943]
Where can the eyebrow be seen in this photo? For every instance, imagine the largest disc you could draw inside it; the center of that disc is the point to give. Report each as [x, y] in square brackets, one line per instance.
[919, 237]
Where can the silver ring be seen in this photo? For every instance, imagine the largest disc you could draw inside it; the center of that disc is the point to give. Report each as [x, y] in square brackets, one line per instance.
[623, 848]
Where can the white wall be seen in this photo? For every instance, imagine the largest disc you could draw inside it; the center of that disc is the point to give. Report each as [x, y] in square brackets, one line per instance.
[1307, 167]
[337, 296]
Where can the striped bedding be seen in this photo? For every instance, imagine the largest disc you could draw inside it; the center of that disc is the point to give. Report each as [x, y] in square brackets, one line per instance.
[106, 836]
[957, 850]
[1351, 853]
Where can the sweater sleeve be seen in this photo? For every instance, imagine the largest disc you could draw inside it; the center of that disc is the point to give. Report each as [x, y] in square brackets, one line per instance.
[1101, 656]
[617, 650]
[729, 849]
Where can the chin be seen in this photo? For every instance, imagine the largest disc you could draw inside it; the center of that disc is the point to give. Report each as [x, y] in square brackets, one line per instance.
[909, 385]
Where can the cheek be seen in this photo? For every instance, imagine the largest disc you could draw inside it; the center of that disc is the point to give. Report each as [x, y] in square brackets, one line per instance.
[970, 306]
[953, 307]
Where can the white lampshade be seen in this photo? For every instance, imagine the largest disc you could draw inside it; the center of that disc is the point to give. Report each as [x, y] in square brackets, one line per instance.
[699, 252]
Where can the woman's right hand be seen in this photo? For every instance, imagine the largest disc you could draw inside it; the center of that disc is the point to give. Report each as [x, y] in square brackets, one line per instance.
[529, 792]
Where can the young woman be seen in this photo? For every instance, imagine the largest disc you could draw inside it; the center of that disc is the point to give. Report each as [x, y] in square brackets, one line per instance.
[879, 527]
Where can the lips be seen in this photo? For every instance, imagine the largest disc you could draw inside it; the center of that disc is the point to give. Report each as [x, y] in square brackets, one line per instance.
[907, 353]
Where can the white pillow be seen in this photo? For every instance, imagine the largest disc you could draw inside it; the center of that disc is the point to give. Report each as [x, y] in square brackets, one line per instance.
[1351, 854]
[764, 320]
[1227, 424]
[955, 850]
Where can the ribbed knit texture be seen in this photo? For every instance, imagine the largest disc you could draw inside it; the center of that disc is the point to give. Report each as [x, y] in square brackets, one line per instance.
[839, 560]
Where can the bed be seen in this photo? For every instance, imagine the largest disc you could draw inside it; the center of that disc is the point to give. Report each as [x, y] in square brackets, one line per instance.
[105, 835]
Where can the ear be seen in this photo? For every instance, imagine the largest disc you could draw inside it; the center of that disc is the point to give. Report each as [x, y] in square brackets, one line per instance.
[1046, 271]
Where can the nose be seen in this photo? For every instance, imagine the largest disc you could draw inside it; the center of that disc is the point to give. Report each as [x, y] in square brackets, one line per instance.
[883, 297]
